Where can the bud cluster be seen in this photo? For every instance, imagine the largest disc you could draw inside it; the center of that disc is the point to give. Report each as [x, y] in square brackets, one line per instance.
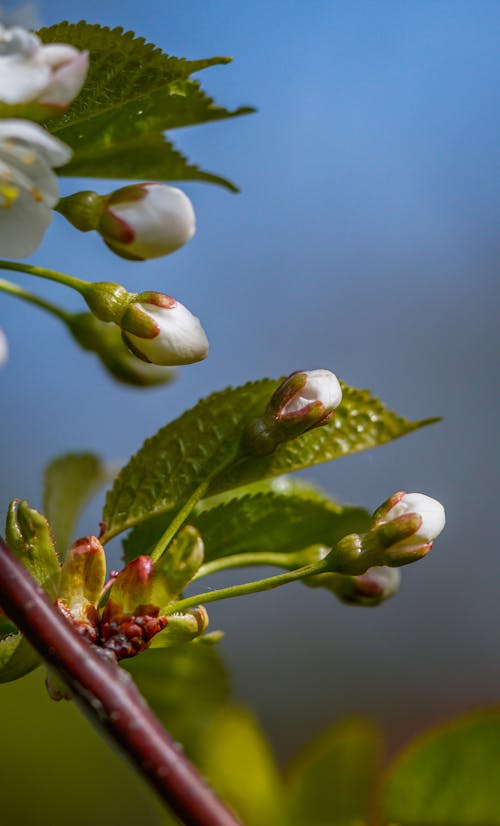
[134, 599]
[403, 530]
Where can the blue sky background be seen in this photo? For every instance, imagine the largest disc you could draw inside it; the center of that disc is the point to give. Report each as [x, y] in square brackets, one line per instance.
[365, 240]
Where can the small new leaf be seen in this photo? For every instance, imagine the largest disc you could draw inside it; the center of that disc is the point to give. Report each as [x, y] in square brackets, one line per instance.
[17, 658]
[69, 482]
[29, 538]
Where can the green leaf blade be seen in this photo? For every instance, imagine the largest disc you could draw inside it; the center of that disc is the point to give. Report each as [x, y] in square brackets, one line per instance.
[334, 780]
[69, 481]
[133, 91]
[277, 517]
[172, 464]
[450, 776]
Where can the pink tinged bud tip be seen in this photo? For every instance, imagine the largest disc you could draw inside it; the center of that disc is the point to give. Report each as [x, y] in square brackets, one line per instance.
[309, 388]
[147, 220]
[403, 508]
[175, 335]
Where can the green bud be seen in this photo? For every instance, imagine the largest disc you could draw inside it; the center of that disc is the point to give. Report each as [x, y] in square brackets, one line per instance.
[181, 560]
[82, 209]
[29, 538]
[369, 589]
[106, 341]
[182, 628]
[82, 580]
[108, 301]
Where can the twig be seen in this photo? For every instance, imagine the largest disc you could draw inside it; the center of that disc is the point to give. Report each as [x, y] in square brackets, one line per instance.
[109, 697]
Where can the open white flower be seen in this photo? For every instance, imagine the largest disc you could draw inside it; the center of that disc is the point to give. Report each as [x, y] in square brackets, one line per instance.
[28, 187]
[31, 72]
[147, 220]
[170, 334]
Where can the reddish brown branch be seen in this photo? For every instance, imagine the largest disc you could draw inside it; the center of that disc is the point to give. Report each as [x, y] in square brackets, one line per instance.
[109, 697]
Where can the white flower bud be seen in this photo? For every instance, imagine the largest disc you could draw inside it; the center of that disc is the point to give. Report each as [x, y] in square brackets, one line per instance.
[147, 220]
[320, 386]
[175, 336]
[4, 348]
[431, 512]
[31, 72]
[28, 187]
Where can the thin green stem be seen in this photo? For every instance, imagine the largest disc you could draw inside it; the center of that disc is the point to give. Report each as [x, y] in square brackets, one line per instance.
[247, 588]
[179, 520]
[25, 295]
[247, 560]
[77, 284]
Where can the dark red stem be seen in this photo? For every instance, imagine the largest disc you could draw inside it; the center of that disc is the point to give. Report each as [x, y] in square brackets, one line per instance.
[109, 697]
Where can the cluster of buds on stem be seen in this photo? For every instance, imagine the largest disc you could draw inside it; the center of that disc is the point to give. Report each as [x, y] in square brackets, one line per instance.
[305, 400]
[403, 531]
[155, 327]
[135, 599]
[137, 222]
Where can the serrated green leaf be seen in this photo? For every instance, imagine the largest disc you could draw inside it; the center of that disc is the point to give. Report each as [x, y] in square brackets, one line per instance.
[144, 158]
[29, 538]
[449, 777]
[69, 482]
[279, 520]
[17, 658]
[184, 685]
[332, 783]
[235, 757]
[172, 464]
[133, 93]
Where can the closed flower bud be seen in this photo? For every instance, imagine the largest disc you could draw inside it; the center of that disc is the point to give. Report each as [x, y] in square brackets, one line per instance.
[369, 589]
[146, 220]
[28, 187]
[415, 520]
[45, 77]
[105, 340]
[306, 399]
[159, 329]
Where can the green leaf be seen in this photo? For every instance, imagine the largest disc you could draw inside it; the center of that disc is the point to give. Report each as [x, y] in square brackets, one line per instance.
[172, 464]
[285, 518]
[184, 684]
[69, 481]
[29, 538]
[17, 658]
[147, 157]
[449, 777]
[133, 93]
[332, 783]
[235, 757]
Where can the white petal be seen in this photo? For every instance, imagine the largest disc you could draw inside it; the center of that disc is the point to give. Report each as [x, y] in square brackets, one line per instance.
[67, 80]
[431, 511]
[4, 348]
[321, 385]
[162, 222]
[54, 151]
[22, 224]
[181, 340]
[34, 167]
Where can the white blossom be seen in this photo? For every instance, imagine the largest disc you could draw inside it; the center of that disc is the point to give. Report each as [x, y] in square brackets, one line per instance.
[147, 220]
[28, 187]
[176, 336]
[31, 72]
